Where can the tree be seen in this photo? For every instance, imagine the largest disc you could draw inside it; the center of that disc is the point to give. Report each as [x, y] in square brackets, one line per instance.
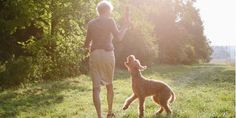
[139, 40]
[45, 35]
[179, 31]
[192, 24]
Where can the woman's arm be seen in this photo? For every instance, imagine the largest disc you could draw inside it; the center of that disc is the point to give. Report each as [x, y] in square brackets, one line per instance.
[118, 34]
[87, 43]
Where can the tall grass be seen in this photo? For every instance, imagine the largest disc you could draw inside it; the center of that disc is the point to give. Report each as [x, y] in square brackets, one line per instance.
[203, 91]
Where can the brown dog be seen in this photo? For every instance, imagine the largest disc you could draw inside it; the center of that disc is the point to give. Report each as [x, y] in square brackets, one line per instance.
[160, 91]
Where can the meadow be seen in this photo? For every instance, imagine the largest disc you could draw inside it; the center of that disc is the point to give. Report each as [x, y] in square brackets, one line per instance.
[203, 91]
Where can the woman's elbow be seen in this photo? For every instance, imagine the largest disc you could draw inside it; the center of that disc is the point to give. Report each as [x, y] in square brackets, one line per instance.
[119, 39]
[121, 36]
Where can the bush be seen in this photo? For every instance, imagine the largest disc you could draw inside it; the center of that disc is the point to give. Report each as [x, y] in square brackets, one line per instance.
[138, 45]
[52, 58]
[17, 71]
[57, 57]
[139, 40]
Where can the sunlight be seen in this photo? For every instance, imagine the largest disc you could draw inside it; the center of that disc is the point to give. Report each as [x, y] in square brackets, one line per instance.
[219, 18]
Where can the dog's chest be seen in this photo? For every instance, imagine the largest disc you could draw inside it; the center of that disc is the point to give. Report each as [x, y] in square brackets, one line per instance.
[137, 88]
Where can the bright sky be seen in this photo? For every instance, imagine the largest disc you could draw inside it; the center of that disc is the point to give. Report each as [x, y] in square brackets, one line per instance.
[219, 19]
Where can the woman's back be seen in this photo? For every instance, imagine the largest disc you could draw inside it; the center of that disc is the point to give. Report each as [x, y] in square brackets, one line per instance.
[101, 31]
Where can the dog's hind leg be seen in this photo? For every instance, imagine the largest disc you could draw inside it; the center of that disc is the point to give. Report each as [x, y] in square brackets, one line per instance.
[156, 100]
[167, 108]
[164, 103]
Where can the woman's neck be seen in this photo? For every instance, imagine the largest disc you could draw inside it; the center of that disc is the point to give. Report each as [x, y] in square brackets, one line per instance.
[105, 15]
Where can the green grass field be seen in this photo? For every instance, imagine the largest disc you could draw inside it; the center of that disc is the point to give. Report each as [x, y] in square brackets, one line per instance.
[203, 91]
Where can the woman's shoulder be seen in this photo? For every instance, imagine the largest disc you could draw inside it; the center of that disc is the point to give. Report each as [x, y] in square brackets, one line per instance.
[104, 18]
[91, 21]
[110, 19]
[98, 20]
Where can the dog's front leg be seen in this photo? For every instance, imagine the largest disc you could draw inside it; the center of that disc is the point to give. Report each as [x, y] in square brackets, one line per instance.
[128, 101]
[141, 107]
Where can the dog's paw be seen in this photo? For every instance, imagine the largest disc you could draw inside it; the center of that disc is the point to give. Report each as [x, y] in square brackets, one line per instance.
[158, 114]
[125, 107]
[141, 116]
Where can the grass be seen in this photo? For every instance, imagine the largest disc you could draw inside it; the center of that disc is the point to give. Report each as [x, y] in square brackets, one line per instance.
[203, 91]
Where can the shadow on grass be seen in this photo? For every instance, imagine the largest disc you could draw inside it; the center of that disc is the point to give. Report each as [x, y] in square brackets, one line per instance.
[164, 115]
[186, 75]
[35, 98]
[207, 75]
[194, 75]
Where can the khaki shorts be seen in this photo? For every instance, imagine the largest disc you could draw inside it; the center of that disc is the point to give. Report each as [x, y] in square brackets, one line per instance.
[101, 66]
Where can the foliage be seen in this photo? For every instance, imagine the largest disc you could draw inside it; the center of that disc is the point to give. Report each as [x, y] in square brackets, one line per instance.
[139, 40]
[50, 33]
[176, 33]
[17, 71]
[180, 31]
[47, 36]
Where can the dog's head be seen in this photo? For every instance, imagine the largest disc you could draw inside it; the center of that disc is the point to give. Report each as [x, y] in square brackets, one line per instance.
[133, 64]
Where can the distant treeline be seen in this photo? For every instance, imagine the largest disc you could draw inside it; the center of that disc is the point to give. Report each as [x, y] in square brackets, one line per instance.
[223, 52]
[43, 39]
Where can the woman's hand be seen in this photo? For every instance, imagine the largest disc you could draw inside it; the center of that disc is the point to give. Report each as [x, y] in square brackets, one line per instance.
[126, 21]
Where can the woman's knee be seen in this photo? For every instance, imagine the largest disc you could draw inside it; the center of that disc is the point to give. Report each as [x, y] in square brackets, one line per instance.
[96, 89]
[109, 87]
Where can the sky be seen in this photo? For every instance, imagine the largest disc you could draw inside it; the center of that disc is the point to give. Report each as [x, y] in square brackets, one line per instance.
[219, 20]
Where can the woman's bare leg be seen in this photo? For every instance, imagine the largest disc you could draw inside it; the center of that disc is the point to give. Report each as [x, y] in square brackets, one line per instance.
[96, 101]
[110, 95]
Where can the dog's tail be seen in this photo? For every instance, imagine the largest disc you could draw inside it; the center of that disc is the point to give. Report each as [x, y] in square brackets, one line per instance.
[172, 96]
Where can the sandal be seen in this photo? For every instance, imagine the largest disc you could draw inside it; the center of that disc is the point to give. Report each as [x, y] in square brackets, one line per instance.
[111, 115]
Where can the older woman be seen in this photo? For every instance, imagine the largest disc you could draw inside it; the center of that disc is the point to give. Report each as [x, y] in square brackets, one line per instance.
[100, 33]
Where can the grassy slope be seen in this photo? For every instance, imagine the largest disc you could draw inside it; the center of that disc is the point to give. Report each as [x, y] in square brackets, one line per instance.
[203, 91]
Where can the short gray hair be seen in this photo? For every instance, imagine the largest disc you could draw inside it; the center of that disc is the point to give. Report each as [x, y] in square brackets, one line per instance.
[104, 6]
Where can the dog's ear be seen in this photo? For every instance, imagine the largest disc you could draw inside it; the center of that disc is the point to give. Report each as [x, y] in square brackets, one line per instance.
[126, 64]
[139, 66]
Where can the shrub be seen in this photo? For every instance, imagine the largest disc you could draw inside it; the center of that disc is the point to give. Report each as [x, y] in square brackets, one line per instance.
[17, 71]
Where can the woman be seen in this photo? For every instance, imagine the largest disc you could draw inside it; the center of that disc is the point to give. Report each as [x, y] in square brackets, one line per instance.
[100, 33]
